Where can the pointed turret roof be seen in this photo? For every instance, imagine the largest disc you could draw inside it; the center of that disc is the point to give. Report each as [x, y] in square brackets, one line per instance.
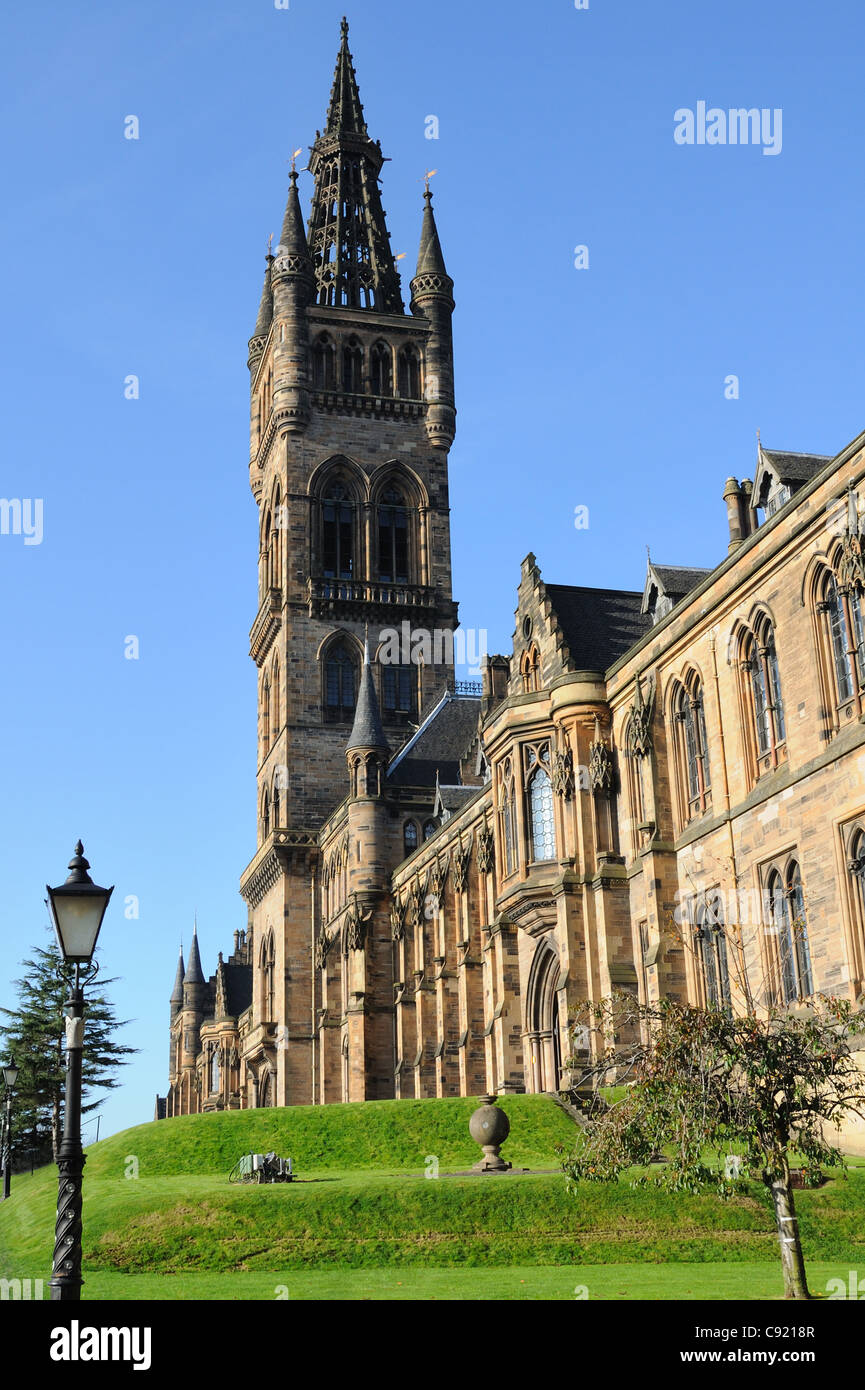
[367, 731]
[430, 260]
[194, 974]
[265, 307]
[292, 238]
[177, 992]
[348, 238]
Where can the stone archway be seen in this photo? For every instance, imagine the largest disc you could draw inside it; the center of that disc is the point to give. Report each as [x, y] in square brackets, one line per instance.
[543, 1024]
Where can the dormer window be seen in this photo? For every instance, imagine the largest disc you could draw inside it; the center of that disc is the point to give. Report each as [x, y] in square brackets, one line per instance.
[775, 499]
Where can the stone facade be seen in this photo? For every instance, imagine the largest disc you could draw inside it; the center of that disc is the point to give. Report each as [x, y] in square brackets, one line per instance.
[660, 792]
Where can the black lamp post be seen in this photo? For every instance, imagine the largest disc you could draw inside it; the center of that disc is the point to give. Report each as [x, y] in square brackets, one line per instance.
[10, 1076]
[77, 909]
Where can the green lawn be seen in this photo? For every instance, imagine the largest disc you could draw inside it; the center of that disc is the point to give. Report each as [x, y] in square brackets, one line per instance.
[548, 1283]
[376, 1227]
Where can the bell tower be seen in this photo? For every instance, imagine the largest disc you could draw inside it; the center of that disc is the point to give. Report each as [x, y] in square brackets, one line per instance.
[352, 415]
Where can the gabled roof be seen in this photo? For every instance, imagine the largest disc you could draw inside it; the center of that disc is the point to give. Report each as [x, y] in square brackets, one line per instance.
[439, 744]
[452, 799]
[672, 582]
[598, 625]
[790, 470]
[794, 468]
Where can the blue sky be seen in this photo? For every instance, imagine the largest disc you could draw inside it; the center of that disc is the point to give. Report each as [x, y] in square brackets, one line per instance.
[601, 387]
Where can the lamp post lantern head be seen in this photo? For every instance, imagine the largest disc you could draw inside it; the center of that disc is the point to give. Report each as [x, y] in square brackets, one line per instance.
[77, 909]
[10, 1074]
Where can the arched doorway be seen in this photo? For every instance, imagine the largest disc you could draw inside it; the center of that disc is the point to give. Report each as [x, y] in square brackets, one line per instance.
[265, 1089]
[544, 1035]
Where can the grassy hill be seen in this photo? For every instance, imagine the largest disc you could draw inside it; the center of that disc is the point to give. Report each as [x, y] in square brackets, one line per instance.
[378, 1134]
[363, 1205]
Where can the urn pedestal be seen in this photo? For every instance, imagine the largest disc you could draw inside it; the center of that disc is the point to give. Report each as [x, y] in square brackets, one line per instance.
[490, 1127]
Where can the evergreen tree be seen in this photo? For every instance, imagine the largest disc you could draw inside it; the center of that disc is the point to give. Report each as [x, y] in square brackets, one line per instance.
[35, 1033]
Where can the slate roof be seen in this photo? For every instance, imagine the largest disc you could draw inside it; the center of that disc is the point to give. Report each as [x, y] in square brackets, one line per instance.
[599, 625]
[439, 744]
[679, 580]
[795, 468]
[194, 974]
[238, 988]
[367, 731]
[454, 798]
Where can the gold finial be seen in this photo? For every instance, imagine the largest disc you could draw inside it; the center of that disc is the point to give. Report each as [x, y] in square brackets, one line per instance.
[426, 178]
[270, 246]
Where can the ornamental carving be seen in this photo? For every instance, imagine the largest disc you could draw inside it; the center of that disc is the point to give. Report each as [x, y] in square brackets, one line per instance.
[462, 859]
[641, 719]
[850, 569]
[323, 944]
[355, 927]
[397, 919]
[485, 850]
[563, 774]
[413, 907]
[438, 876]
[600, 764]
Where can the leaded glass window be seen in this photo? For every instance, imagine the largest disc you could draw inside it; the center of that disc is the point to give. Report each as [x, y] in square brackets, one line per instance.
[541, 815]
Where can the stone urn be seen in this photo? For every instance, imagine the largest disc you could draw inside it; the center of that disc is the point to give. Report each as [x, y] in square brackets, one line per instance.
[490, 1127]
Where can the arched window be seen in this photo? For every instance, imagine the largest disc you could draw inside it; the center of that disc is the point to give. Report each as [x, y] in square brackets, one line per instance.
[276, 803]
[399, 692]
[841, 610]
[265, 717]
[763, 704]
[323, 363]
[265, 814]
[275, 706]
[542, 834]
[789, 927]
[430, 828]
[275, 542]
[408, 373]
[337, 533]
[340, 684]
[268, 969]
[410, 837]
[393, 537]
[691, 749]
[530, 670]
[710, 942]
[264, 559]
[507, 818]
[352, 366]
[381, 369]
[214, 1071]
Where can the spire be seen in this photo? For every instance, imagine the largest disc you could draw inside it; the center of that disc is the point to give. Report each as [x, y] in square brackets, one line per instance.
[345, 114]
[348, 237]
[430, 260]
[367, 731]
[194, 974]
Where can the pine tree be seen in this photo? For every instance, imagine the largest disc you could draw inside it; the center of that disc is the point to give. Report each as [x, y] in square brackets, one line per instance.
[35, 1031]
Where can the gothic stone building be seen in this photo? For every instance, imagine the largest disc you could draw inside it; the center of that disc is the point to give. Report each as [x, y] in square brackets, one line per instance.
[660, 792]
